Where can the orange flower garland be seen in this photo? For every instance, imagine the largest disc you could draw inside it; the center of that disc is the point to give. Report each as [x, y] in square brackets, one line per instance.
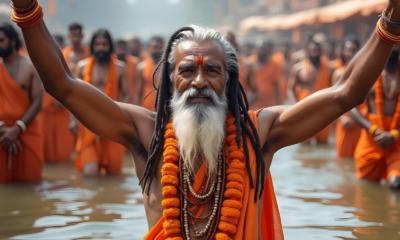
[380, 110]
[170, 180]
[231, 206]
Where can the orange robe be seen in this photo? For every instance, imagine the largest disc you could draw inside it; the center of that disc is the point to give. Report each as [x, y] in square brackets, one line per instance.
[148, 85]
[89, 146]
[322, 82]
[373, 162]
[282, 82]
[27, 164]
[131, 63]
[266, 78]
[66, 51]
[347, 139]
[247, 227]
[58, 140]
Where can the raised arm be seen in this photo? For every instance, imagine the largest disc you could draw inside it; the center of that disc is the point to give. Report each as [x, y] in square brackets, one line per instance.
[94, 109]
[311, 115]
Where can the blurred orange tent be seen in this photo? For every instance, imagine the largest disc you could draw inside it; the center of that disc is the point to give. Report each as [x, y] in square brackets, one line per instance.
[328, 14]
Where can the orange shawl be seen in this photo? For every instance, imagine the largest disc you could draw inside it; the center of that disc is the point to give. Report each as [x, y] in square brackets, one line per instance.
[27, 164]
[131, 63]
[266, 77]
[148, 85]
[85, 136]
[322, 81]
[247, 228]
[67, 50]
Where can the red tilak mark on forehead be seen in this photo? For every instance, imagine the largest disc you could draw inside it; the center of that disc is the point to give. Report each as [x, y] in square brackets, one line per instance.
[199, 60]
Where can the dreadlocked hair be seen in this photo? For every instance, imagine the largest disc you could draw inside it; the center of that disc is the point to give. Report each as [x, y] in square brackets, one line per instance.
[237, 104]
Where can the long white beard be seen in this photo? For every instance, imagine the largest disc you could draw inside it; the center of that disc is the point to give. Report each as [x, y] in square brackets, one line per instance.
[199, 128]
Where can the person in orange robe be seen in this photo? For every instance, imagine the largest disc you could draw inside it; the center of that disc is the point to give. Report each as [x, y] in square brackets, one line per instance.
[246, 71]
[134, 47]
[377, 154]
[307, 77]
[347, 132]
[131, 64]
[104, 71]
[145, 70]
[76, 51]
[267, 73]
[21, 142]
[249, 214]
[282, 58]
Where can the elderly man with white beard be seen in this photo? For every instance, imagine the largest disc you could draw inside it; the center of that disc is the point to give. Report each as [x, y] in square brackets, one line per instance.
[203, 158]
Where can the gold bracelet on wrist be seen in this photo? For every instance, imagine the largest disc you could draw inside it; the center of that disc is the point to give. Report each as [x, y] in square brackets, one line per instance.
[372, 129]
[395, 134]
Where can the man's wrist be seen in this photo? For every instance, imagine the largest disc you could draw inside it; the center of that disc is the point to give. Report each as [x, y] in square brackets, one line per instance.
[17, 128]
[21, 3]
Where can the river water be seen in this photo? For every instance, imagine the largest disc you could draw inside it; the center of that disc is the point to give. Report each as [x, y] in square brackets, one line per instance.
[318, 197]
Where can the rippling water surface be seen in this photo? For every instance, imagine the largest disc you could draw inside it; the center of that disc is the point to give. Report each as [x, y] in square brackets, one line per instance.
[318, 197]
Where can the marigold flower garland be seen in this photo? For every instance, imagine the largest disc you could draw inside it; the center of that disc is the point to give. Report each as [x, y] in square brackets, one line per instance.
[170, 180]
[380, 109]
[231, 206]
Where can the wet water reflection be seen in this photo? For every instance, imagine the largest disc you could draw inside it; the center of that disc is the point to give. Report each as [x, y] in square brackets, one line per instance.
[318, 196]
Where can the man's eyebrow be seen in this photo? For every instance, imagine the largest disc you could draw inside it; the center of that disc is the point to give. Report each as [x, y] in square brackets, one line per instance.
[185, 65]
[214, 65]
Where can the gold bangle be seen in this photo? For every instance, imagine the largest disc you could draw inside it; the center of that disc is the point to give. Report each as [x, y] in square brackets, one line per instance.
[395, 134]
[373, 128]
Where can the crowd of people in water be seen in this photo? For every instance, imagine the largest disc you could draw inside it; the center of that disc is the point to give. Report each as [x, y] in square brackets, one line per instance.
[270, 75]
[204, 111]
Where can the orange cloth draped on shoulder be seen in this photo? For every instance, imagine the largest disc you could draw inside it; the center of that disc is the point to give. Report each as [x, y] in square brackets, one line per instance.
[90, 147]
[338, 63]
[322, 82]
[266, 78]
[66, 51]
[282, 82]
[373, 162]
[58, 140]
[148, 85]
[27, 164]
[270, 225]
[131, 63]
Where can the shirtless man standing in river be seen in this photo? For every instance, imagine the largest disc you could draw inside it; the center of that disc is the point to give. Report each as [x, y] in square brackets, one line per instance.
[197, 128]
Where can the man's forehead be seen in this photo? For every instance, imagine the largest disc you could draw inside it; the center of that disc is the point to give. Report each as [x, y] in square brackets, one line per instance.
[190, 49]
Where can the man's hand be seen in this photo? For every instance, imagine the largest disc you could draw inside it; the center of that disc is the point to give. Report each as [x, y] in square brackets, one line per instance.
[383, 139]
[15, 147]
[73, 127]
[9, 135]
[347, 122]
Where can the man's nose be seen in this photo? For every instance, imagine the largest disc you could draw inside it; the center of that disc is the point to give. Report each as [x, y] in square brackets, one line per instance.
[200, 81]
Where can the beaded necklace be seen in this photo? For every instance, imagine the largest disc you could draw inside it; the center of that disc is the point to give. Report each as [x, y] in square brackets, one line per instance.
[231, 205]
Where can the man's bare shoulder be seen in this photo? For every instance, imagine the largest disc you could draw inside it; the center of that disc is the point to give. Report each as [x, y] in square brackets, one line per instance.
[267, 119]
[297, 67]
[26, 63]
[142, 119]
[119, 63]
